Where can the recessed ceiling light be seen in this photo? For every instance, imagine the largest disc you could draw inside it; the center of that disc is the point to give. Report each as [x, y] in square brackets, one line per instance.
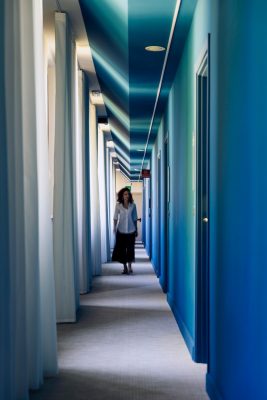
[136, 169]
[155, 48]
[140, 150]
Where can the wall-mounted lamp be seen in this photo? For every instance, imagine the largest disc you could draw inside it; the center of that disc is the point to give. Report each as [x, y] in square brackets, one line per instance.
[96, 97]
[110, 143]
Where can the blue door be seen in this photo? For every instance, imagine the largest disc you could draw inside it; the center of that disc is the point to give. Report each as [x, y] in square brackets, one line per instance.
[202, 211]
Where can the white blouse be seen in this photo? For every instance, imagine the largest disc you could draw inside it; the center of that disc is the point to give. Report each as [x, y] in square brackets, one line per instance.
[127, 217]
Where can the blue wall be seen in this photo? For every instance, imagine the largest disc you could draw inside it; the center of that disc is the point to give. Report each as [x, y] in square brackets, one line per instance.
[154, 208]
[238, 195]
[238, 327]
[180, 119]
[159, 260]
[147, 231]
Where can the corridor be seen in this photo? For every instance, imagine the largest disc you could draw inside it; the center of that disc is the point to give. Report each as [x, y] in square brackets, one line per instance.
[125, 345]
[165, 100]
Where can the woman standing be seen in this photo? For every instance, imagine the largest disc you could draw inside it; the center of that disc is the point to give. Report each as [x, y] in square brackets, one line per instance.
[125, 222]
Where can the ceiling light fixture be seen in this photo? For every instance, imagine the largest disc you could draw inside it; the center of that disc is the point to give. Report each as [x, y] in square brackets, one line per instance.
[104, 127]
[96, 93]
[155, 48]
[96, 97]
[141, 150]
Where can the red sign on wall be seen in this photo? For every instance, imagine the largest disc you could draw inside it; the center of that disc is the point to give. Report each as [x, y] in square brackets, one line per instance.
[145, 173]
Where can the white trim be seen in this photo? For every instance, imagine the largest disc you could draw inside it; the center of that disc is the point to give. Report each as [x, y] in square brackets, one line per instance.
[201, 56]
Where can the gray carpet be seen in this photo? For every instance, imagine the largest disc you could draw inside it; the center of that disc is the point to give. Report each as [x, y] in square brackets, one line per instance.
[125, 346]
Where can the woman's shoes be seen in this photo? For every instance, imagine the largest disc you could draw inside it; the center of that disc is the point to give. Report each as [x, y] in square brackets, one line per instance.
[125, 271]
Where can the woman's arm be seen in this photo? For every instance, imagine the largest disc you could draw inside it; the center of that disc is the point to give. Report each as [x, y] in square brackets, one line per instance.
[135, 219]
[115, 225]
[115, 219]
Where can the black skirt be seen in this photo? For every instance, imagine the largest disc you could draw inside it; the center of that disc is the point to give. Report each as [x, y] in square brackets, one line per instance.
[124, 247]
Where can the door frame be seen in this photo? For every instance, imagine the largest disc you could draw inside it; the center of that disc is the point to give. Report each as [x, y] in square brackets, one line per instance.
[164, 276]
[158, 267]
[202, 253]
[150, 217]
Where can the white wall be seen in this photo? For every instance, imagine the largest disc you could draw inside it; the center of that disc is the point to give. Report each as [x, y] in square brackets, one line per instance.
[94, 194]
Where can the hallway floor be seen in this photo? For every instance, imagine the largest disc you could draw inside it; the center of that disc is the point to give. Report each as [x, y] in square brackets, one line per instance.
[125, 346]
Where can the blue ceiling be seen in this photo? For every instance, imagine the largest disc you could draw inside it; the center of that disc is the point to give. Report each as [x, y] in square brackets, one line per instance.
[129, 76]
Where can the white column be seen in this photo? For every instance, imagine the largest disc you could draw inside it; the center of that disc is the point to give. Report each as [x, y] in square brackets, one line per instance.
[23, 355]
[112, 201]
[64, 235]
[51, 107]
[74, 133]
[15, 384]
[102, 195]
[96, 206]
[29, 129]
[5, 284]
[82, 131]
[46, 262]
[107, 158]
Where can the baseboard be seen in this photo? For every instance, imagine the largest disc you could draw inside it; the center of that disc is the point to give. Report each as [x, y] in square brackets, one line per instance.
[189, 341]
[211, 388]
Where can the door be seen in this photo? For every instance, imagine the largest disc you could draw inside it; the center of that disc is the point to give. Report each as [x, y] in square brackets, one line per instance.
[165, 211]
[202, 210]
[150, 217]
[159, 217]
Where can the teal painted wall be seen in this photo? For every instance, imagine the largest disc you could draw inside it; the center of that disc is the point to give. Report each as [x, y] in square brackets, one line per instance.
[147, 191]
[181, 126]
[238, 195]
[154, 214]
[157, 201]
[238, 328]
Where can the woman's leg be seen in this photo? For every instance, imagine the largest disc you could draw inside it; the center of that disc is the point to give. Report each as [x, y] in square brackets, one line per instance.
[125, 269]
[130, 251]
[120, 251]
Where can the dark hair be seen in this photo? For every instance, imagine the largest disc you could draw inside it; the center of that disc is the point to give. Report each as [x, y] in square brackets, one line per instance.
[120, 195]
